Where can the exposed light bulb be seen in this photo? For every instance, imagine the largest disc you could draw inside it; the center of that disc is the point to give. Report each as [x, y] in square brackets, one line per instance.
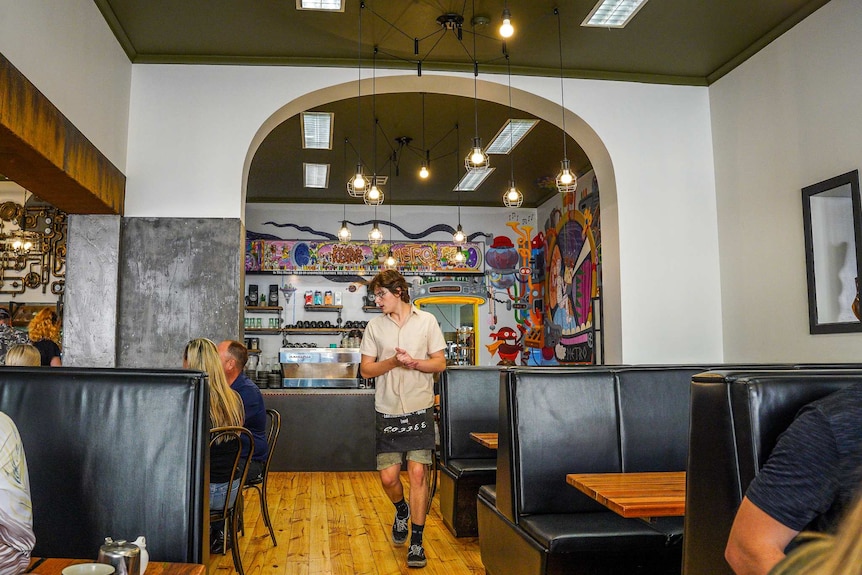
[459, 237]
[566, 177]
[17, 244]
[423, 171]
[356, 184]
[344, 233]
[566, 180]
[374, 193]
[27, 246]
[375, 236]
[513, 198]
[459, 256]
[477, 157]
[506, 29]
[391, 261]
[359, 181]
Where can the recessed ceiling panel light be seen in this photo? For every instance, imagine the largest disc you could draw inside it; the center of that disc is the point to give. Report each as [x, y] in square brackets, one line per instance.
[327, 5]
[473, 179]
[315, 175]
[317, 130]
[509, 135]
[613, 13]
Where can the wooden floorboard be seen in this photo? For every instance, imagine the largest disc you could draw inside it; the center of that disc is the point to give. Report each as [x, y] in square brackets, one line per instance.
[331, 523]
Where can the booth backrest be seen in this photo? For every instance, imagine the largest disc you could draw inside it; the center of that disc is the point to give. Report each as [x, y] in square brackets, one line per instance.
[586, 420]
[736, 418]
[468, 403]
[114, 453]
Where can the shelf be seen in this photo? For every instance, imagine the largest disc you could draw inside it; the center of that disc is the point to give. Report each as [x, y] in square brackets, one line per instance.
[323, 307]
[262, 331]
[263, 309]
[319, 331]
[371, 309]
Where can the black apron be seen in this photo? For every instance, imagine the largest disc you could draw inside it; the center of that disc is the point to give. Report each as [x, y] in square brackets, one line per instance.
[406, 432]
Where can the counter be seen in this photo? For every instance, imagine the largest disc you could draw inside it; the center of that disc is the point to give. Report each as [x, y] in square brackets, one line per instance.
[323, 429]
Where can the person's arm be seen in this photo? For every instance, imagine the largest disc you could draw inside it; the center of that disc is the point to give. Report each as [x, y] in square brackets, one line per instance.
[435, 363]
[56, 361]
[370, 367]
[757, 541]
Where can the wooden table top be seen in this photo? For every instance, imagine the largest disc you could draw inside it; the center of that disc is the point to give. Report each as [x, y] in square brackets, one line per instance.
[643, 495]
[489, 440]
[53, 566]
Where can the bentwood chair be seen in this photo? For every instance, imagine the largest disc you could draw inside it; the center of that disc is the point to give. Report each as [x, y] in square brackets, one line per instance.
[228, 513]
[259, 483]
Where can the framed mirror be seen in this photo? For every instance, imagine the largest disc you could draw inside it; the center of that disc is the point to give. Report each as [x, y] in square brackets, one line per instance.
[833, 253]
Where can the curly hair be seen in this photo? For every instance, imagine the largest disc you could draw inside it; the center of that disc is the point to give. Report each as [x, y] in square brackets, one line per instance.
[393, 281]
[44, 325]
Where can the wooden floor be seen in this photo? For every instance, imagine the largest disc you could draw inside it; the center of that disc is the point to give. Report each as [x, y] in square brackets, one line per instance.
[339, 523]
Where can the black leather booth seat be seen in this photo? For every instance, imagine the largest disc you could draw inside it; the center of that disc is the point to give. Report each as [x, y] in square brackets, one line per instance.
[736, 418]
[114, 453]
[582, 420]
[469, 401]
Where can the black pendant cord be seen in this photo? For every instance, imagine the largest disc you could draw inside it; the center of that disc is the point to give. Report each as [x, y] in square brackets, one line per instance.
[511, 127]
[562, 91]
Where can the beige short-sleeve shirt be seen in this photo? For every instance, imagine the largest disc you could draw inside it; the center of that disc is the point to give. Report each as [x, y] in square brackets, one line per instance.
[402, 390]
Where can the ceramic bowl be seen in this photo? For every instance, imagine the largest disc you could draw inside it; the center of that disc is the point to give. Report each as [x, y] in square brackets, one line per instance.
[89, 569]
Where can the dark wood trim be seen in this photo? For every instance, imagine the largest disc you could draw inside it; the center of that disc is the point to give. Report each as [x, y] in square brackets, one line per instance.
[44, 152]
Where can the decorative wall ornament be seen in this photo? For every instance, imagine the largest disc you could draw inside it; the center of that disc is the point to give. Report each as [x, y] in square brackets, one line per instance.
[32, 249]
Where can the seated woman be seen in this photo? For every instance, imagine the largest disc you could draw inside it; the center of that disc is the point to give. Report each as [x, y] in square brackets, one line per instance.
[16, 512]
[226, 409]
[23, 354]
[44, 331]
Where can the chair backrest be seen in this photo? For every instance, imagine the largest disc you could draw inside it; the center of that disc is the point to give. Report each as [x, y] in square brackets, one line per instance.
[736, 418]
[469, 402]
[239, 435]
[102, 462]
[272, 435]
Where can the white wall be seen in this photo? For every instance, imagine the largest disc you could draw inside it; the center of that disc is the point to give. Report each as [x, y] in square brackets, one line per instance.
[191, 127]
[66, 49]
[787, 118]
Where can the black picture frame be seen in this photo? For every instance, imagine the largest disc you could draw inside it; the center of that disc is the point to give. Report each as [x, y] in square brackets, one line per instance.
[832, 220]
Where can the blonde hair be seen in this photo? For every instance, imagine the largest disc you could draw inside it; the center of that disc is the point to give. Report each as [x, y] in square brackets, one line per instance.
[23, 354]
[846, 555]
[44, 325]
[225, 404]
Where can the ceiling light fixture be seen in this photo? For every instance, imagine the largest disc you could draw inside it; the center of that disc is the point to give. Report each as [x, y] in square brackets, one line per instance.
[426, 163]
[506, 28]
[317, 130]
[322, 5]
[613, 13]
[513, 198]
[375, 236]
[344, 234]
[510, 135]
[374, 195]
[476, 159]
[356, 184]
[459, 238]
[315, 175]
[566, 180]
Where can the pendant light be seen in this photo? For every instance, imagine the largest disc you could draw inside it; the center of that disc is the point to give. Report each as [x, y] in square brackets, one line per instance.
[512, 198]
[477, 159]
[375, 236]
[424, 171]
[506, 28]
[459, 238]
[357, 184]
[374, 195]
[566, 180]
[344, 233]
[391, 262]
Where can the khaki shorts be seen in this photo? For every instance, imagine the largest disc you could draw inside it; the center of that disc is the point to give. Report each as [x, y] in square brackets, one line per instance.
[391, 458]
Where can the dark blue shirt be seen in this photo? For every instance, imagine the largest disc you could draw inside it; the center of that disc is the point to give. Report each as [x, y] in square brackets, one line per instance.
[255, 414]
[814, 471]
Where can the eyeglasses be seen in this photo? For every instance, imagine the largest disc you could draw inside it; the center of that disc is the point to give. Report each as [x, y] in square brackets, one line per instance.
[379, 295]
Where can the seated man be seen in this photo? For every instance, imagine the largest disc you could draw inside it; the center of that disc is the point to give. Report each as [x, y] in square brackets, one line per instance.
[16, 511]
[234, 356]
[806, 483]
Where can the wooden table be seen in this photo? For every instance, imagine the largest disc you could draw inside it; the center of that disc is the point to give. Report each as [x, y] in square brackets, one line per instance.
[52, 566]
[642, 495]
[489, 440]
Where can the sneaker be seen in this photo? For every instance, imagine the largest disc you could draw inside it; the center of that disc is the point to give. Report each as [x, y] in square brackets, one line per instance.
[416, 556]
[217, 542]
[399, 529]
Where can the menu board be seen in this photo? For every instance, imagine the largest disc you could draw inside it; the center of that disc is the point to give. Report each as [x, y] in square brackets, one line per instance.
[327, 257]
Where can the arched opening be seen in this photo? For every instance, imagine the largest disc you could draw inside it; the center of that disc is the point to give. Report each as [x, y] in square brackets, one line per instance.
[542, 108]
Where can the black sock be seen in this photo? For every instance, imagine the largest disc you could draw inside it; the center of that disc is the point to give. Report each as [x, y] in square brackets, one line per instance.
[416, 534]
[402, 509]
